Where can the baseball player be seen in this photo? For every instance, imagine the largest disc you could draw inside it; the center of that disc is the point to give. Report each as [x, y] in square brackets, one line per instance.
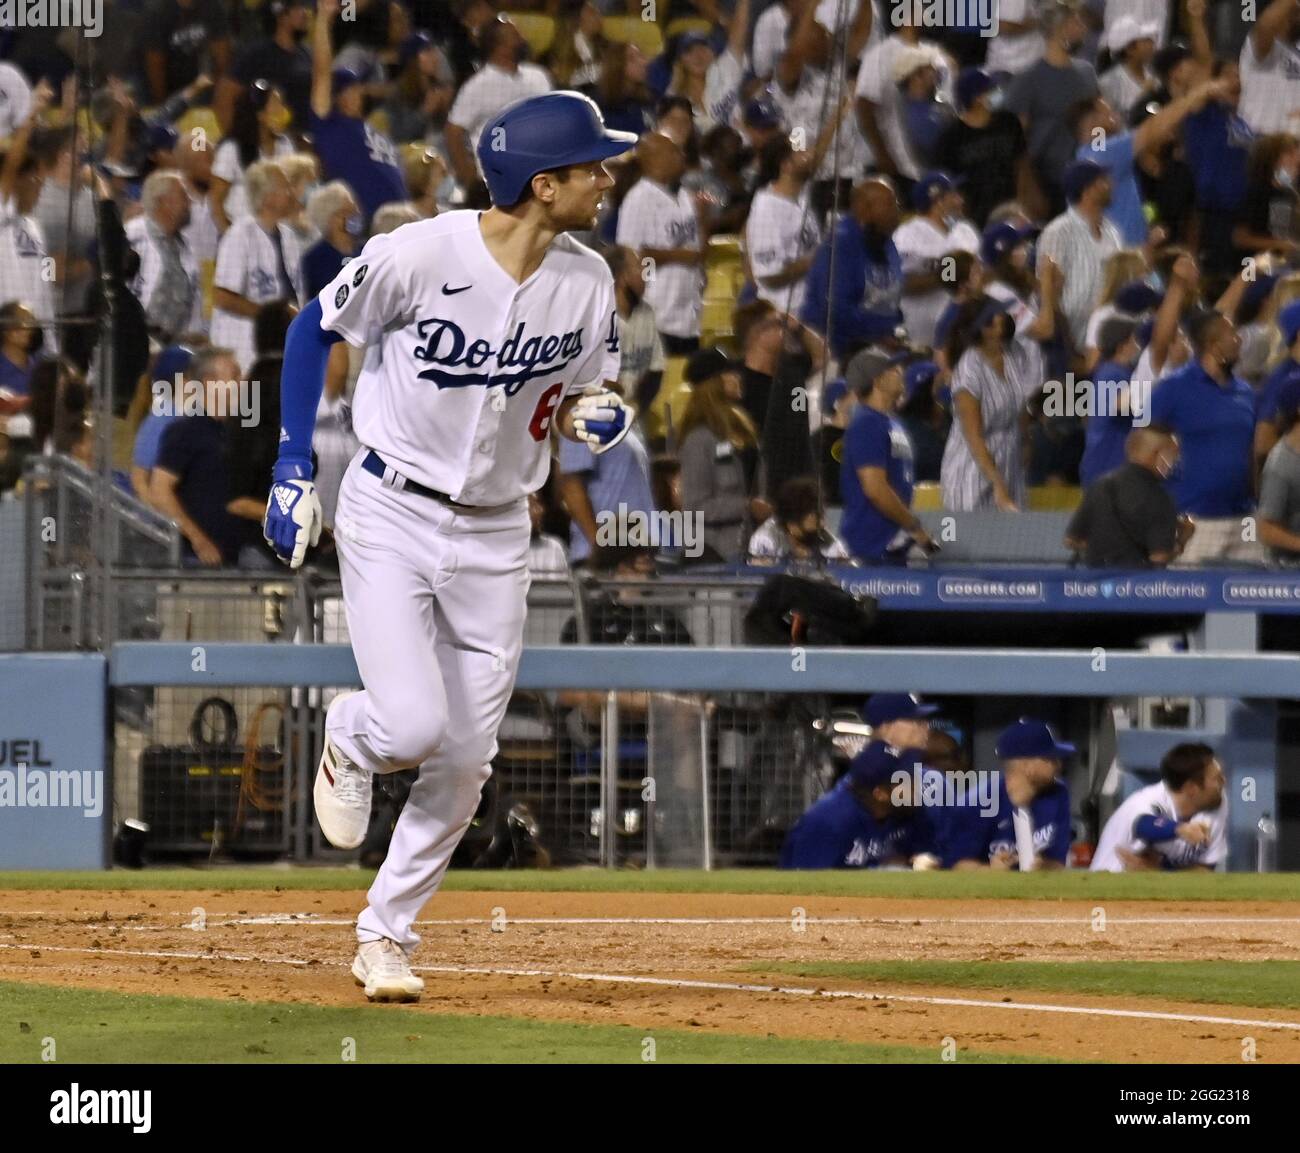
[866, 820]
[484, 332]
[1180, 822]
[1029, 828]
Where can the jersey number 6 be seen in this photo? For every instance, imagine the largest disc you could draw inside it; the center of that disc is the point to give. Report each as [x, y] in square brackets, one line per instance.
[540, 425]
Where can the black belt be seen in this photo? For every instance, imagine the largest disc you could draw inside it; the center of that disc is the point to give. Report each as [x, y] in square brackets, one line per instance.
[374, 464]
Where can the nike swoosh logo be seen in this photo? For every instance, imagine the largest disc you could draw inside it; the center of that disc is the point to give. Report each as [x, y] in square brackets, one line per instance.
[452, 291]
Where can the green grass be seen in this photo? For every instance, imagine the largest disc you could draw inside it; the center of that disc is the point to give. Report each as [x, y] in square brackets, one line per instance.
[1078, 886]
[1263, 984]
[94, 1027]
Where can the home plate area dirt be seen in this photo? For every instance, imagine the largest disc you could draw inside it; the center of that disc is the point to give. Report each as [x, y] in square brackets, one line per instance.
[707, 962]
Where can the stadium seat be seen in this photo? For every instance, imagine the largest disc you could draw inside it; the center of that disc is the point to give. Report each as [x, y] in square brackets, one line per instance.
[688, 24]
[1055, 498]
[203, 119]
[539, 31]
[633, 30]
[927, 497]
[669, 404]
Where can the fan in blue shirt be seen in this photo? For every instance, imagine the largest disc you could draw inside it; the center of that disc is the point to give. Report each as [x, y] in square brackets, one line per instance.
[1110, 423]
[1286, 373]
[876, 477]
[862, 305]
[866, 820]
[1031, 756]
[1213, 413]
[349, 149]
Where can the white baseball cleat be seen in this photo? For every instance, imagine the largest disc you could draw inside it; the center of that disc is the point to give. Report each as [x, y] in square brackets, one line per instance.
[342, 795]
[382, 968]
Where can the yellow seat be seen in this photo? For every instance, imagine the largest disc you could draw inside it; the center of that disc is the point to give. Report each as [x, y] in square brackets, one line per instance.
[927, 497]
[199, 120]
[1055, 498]
[669, 405]
[688, 24]
[539, 31]
[723, 249]
[645, 34]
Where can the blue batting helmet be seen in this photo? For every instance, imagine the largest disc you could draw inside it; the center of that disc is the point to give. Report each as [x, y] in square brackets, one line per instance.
[541, 133]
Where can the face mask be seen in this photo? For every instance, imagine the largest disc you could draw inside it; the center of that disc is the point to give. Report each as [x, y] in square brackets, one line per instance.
[1164, 466]
[278, 121]
[1283, 178]
[996, 99]
[950, 220]
[305, 195]
[355, 225]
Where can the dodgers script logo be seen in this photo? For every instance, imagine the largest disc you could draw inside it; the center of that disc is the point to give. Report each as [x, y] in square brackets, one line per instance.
[445, 344]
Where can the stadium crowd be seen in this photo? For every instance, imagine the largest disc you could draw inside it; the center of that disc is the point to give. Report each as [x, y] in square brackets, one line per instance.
[859, 261]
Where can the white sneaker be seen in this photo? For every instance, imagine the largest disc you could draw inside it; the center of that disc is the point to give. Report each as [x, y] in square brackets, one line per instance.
[382, 968]
[342, 795]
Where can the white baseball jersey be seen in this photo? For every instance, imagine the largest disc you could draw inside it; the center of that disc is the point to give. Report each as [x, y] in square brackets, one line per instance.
[247, 265]
[464, 367]
[920, 242]
[778, 232]
[1270, 88]
[1156, 800]
[142, 239]
[489, 90]
[806, 111]
[653, 217]
[227, 166]
[15, 99]
[26, 269]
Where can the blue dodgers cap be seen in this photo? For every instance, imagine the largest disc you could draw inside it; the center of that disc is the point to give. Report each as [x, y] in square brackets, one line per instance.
[1031, 738]
[876, 765]
[972, 83]
[1288, 320]
[171, 360]
[993, 307]
[413, 45]
[1137, 296]
[881, 708]
[930, 187]
[1001, 238]
[342, 78]
[832, 393]
[1079, 177]
[762, 113]
[918, 376]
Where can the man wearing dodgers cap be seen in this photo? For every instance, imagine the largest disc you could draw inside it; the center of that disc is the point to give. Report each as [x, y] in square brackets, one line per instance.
[1030, 826]
[865, 821]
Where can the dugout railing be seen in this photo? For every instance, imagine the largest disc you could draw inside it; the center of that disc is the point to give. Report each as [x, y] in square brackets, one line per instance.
[688, 757]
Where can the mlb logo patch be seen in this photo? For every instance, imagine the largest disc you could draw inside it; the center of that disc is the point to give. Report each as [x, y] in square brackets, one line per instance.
[341, 296]
[360, 276]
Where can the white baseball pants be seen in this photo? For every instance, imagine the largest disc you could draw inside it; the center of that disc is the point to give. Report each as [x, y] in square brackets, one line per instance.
[435, 601]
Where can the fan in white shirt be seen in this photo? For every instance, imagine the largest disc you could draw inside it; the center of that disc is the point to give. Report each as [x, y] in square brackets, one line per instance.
[1018, 44]
[259, 260]
[26, 268]
[711, 81]
[502, 80]
[1270, 70]
[880, 109]
[818, 117]
[1132, 47]
[15, 99]
[257, 133]
[658, 219]
[781, 234]
[935, 232]
[1181, 822]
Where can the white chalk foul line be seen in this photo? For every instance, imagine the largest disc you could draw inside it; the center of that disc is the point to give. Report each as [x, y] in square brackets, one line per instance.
[310, 919]
[712, 986]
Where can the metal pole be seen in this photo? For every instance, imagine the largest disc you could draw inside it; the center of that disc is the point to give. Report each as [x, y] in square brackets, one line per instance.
[652, 766]
[706, 809]
[609, 781]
